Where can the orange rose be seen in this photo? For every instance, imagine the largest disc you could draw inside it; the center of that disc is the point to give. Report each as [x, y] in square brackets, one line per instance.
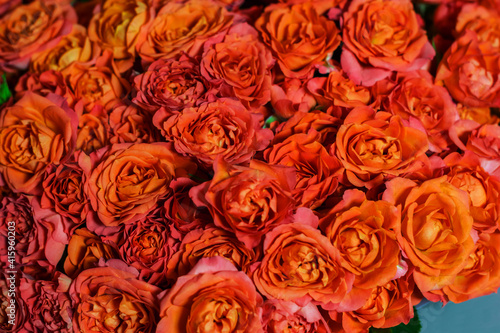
[424, 105]
[375, 146]
[436, 227]
[85, 249]
[213, 297]
[291, 96]
[484, 21]
[470, 70]
[93, 130]
[298, 36]
[365, 232]
[71, 48]
[96, 83]
[131, 124]
[396, 42]
[248, 201]
[181, 26]
[129, 179]
[388, 305]
[301, 265]
[112, 299]
[338, 92]
[44, 84]
[115, 26]
[242, 64]
[34, 132]
[223, 128]
[317, 172]
[481, 274]
[483, 140]
[210, 242]
[31, 28]
[479, 115]
[465, 172]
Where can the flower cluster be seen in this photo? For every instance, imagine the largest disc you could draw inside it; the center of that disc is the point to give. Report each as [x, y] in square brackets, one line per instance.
[241, 166]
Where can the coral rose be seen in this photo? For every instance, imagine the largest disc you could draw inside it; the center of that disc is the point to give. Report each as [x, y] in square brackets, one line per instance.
[32, 28]
[417, 99]
[317, 171]
[210, 242]
[48, 304]
[115, 26]
[291, 96]
[396, 43]
[44, 84]
[241, 64]
[181, 27]
[248, 201]
[483, 140]
[129, 179]
[213, 297]
[376, 146]
[470, 70]
[221, 128]
[129, 123]
[389, 305]
[280, 316]
[85, 249]
[299, 37]
[112, 299]
[173, 83]
[46, 127]
[365, 232]
[301, 265]
[436, 227]
[148, 246]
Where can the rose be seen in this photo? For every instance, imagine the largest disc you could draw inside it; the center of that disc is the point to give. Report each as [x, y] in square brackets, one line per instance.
[32, 28]
[281, 316]
[49, 305]
[388, 305]
[181, 27]
[338, 92]
[365, 232]
[115, 26]
[180, 211]
[18, 211]
[221, 128]
[242, 64]
[417, 99]
[71, 48]
[298, 36]
[63, 191]
[302, 122]
[483, 140]
[93, 130]
[44, 84]
[301, 265]
[481, 274]
[131, 124]
[465, 172]
[248, 201]
[435, 228]
[85, 249]
[48, 129]
[482, 20]
[213, 297]
[113, 299]
[479, 115]
[291, 96]
[374, 146]
[396, 43]
[148, 246]
[95, 83]
[173, 83]
[470, 70]
[129, 179]
[317, 171]
[210, 242]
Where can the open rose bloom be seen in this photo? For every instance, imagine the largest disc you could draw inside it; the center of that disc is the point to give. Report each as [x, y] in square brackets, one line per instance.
[239, 166]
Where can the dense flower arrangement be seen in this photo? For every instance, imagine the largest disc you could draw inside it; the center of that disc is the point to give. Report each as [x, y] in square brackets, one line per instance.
[246, 166]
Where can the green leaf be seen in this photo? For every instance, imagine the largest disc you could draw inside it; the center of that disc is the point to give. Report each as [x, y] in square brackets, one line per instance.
[269, 120]
[413, 326]
[4, 90]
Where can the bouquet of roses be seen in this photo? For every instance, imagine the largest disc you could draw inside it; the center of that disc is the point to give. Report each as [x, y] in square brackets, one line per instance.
[246, 166]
